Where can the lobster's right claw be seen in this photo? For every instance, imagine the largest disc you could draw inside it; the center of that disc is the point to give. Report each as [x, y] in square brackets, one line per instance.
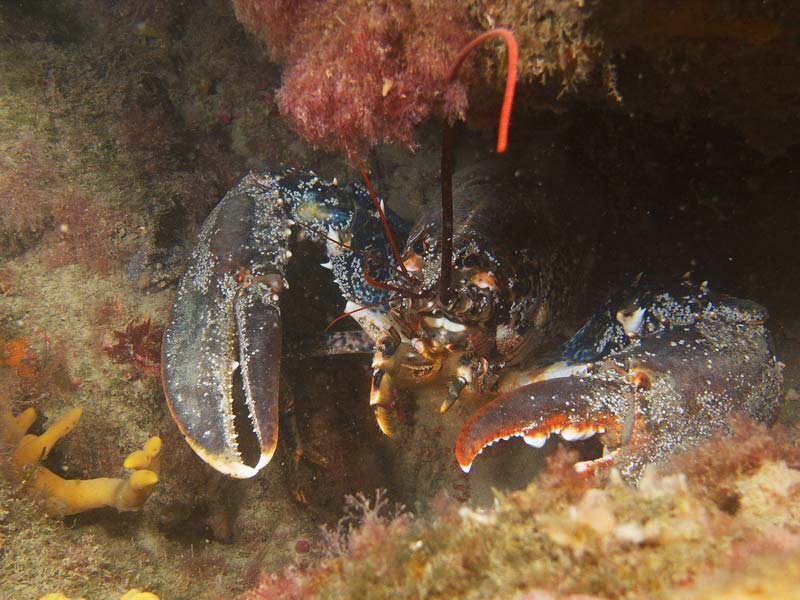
[572, 407]
[222, 344]
[694, 360]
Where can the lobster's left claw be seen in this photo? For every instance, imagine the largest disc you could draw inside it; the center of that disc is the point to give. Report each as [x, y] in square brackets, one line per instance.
[222, 344]
[201, 386]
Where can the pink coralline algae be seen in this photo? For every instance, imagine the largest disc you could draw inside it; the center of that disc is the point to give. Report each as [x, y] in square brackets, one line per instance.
[361, 73]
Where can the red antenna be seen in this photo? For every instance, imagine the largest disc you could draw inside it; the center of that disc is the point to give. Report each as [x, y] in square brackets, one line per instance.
[341, 244]
[447, 146]
[379, 208]
[365, 307]
[511, 77]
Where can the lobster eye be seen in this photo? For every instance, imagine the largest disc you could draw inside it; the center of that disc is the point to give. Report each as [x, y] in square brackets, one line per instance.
[470, 260]
[419, 247]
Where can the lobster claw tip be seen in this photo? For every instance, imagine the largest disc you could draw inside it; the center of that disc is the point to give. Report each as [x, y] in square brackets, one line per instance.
[231, 463]
[225, 401]
[533, 412]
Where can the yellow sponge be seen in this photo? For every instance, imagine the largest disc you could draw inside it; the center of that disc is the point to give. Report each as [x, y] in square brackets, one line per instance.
[70, 496]
[131, 595]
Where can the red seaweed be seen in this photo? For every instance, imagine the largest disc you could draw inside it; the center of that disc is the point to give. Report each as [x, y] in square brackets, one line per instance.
[357, 74]
[139, 346]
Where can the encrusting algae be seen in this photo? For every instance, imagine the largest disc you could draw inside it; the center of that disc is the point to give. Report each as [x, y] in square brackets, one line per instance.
[71, 496]
[567, 536]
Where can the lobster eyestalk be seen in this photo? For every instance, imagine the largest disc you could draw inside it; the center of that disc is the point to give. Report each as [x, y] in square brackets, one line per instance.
[447, 165]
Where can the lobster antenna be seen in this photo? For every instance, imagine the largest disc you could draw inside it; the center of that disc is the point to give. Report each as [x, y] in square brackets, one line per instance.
[365, 307]
[384, 220]
[385, 286]
[447, 146]
[376, 284]
[341, 244]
